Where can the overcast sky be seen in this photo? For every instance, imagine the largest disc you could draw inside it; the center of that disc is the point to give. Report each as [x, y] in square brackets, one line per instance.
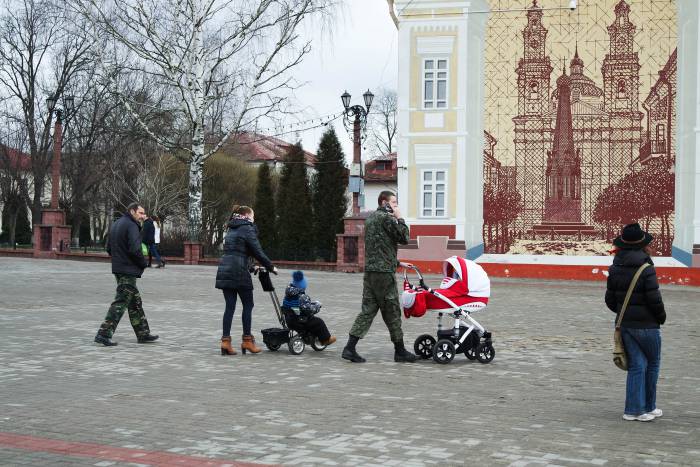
[360, 53]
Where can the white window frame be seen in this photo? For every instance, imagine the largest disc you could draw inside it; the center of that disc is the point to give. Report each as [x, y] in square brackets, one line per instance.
[433, 182]
[434, 102]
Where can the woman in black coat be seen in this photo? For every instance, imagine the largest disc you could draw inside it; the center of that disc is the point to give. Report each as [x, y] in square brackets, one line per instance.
[233, 275]
[640, 327]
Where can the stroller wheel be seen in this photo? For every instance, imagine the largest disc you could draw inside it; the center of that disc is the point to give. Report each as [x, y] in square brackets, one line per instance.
[485, 352]
[444, 351]
[423, 346]
[296, 345]
[317, 346]
[471, 344]
[273, 347]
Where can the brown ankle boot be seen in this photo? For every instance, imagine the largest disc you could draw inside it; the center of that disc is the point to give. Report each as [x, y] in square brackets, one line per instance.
[329, 341]
[248, 344]
[226, 347]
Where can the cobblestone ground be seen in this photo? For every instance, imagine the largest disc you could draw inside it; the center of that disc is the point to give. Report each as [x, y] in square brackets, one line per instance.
[551, 396]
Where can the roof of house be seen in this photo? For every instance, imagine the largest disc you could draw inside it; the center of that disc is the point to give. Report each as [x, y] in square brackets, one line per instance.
[375, 174]
[255, 147]
[14, 158]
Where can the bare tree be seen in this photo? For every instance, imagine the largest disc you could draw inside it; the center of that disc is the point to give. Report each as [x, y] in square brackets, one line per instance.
[41, 51]
[204, 52]
[383, 121]
[392, 13]
[14, 179]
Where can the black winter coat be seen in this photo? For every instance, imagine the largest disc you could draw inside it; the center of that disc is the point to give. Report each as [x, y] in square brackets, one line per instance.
[125, 247]
[241, 243]
[645, 308]
[149, 232]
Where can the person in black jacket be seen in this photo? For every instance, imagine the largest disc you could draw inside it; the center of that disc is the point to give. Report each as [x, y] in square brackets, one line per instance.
[640, 327]
[233, 275]
[149, 238]
[128, 264]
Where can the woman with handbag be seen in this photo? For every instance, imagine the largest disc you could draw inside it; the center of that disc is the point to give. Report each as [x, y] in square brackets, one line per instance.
[241, 245]
[633, 294]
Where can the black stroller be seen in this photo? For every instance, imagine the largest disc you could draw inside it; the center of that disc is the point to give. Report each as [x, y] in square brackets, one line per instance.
[296, 340]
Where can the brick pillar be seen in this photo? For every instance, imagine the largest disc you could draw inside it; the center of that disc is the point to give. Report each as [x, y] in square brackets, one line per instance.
[52, 235]
[193, 252]
[354, 232]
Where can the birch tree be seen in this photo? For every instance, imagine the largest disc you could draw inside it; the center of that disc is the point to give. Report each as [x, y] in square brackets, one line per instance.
[205, 54]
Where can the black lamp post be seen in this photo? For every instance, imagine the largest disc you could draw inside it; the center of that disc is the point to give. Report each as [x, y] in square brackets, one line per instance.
[68, 107]
[358, 114]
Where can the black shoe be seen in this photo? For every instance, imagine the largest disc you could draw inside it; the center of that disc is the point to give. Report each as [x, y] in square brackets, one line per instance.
[147, 339]
[403, 355]
[352, 355]
[106, 341]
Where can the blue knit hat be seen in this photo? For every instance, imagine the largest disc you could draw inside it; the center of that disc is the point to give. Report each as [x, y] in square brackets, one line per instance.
[298, 280]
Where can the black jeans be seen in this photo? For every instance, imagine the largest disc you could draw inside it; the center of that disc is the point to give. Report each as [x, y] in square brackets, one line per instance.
[246, 300]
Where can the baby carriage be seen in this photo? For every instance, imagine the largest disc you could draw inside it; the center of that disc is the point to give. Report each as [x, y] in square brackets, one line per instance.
[274, 337]
[464, 290]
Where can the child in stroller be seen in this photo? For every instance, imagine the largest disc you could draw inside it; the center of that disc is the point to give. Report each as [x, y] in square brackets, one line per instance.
[300, 311]
[465, 289]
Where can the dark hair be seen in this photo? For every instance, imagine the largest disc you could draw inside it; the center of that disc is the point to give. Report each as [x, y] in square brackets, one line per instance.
[241, 210]
[384, 197]
[155, 218]
[134, 206]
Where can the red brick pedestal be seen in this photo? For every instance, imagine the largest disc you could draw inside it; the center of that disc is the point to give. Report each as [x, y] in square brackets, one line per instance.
[351, 245]
[52, 235]
[193, 252]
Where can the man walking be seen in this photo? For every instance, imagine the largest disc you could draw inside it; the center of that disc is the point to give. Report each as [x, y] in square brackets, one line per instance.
[384, 230]
[128, 264]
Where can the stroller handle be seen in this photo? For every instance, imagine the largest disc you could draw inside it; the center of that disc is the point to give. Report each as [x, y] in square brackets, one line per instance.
[417, 271]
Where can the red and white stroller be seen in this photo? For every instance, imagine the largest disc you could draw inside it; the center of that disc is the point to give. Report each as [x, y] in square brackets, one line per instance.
[464, 290]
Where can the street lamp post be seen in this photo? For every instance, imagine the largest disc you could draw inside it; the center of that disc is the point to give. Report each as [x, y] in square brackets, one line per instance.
[58, 143]
[358, 114]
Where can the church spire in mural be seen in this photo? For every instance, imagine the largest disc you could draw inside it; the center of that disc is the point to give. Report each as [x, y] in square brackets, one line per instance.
[563, 199]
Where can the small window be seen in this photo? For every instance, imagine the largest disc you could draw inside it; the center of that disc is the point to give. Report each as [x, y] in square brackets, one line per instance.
[435, 83]
[661, 134]
[434, 193]
[534, 90]
[621, 89]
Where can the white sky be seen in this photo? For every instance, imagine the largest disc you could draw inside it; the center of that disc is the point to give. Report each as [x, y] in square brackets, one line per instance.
[358, 54]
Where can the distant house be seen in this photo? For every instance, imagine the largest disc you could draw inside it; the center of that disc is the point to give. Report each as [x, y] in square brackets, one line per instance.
[380, 175]
[257, 149]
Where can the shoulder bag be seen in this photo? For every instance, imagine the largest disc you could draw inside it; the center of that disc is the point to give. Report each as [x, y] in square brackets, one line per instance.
[619, 355]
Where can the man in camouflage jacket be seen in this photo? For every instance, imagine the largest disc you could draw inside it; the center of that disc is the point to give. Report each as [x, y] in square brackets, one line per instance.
[384, 230]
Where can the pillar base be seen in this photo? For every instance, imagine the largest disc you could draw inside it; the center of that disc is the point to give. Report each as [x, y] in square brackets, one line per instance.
[193, 252]
[52, 235]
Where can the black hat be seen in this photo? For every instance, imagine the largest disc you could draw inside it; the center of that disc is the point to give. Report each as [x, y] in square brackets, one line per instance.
[633, 237]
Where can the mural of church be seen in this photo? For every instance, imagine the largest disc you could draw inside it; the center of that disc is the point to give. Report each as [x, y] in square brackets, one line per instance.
[579, 129]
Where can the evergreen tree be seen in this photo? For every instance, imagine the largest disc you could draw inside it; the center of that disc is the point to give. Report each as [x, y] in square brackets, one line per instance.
[294, 214]
[265, 211]
[329, 200]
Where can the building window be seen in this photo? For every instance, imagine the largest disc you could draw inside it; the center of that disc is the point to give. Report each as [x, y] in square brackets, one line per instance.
[433, 193]
[621, 89]
[534, 90]
[435, 83]
[661, 134]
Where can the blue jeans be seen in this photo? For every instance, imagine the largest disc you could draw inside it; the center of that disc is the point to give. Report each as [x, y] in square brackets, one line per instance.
[153, 251]
[643, 348]
[247, 315]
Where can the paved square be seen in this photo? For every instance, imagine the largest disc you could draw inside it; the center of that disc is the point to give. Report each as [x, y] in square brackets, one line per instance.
[551, 396]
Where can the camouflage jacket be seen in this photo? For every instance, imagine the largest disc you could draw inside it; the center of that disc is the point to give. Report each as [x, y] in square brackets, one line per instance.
[383, 233]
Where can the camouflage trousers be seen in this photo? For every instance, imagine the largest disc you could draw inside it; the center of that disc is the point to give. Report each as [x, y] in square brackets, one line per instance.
[128, 298]
[379, 293]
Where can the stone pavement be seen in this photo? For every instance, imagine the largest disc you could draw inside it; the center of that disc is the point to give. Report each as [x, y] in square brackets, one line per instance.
[551, 396]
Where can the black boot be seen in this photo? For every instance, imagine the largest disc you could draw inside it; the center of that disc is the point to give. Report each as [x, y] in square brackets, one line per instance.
[349, 352]
[104, 340]
[401, 354]
[147, 339]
